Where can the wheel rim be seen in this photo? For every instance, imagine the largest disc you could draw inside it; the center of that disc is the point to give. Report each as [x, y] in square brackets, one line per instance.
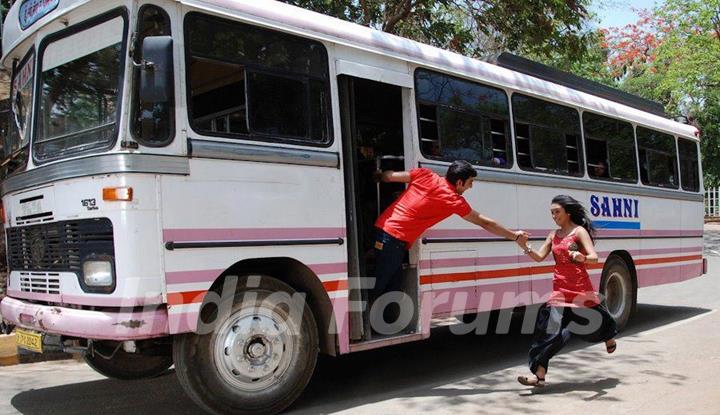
[254, 348]
[615, 297]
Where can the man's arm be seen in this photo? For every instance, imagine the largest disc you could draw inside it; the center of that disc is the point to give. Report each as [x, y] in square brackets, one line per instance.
[392, 176]
[520, 237]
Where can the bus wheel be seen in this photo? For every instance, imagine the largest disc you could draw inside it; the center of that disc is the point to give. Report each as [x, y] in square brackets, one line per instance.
[126, 366]
[257, 358]
[617, 288]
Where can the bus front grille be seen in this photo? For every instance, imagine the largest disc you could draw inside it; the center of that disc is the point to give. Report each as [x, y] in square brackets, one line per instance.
[37, 282]
[58, 246]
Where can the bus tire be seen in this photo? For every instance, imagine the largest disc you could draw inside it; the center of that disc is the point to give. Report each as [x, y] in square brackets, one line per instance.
[128, 366]
[257, 359]
[618, 290]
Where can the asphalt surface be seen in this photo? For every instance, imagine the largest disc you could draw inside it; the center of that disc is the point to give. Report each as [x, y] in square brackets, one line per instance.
[667, 362]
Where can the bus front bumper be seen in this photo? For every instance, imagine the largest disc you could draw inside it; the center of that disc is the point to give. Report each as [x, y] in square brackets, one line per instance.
[86, 324]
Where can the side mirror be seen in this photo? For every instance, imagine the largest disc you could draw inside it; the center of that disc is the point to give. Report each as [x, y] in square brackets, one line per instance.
[156, 70]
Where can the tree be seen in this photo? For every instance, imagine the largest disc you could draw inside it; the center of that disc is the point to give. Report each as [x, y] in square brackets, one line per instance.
[592, 64]
[674, 57]
[471, 27]
[633, 48]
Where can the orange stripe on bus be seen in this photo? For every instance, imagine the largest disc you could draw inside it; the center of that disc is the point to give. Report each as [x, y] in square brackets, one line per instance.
[496, 273]
[514, 272]
[648, 261]
[335, 285]
[187, 297]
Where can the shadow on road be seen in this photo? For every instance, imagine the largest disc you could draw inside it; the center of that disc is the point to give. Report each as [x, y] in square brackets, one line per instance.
[469, 362]
[711, 243]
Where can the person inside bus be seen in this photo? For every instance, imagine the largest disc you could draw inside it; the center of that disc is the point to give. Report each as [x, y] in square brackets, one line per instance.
[600, 169]
[428, 199]
[573, 299]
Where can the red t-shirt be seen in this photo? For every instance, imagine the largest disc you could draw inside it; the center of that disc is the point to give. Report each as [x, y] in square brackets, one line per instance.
[428, 199]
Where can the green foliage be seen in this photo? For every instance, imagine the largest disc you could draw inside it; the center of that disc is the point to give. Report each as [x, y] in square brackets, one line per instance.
[685, 73]
[592, 64]
[474, 28]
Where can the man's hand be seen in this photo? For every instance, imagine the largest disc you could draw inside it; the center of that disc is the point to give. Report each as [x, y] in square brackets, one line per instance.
[522, 238]
[377, 176]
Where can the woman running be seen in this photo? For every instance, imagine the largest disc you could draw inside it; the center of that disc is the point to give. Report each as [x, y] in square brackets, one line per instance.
[573, 299]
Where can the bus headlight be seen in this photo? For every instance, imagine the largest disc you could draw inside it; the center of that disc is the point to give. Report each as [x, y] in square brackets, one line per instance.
[98, 274]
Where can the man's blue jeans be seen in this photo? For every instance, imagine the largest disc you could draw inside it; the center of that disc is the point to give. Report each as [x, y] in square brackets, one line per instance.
[389, 254]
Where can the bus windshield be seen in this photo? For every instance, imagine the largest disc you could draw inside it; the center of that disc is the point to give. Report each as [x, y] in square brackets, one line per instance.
[79, 94]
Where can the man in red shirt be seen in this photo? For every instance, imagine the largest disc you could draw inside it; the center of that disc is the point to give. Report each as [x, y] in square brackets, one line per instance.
[428, 199]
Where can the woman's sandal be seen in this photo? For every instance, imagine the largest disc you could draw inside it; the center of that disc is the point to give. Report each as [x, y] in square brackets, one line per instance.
[610, 349]
[528, 381]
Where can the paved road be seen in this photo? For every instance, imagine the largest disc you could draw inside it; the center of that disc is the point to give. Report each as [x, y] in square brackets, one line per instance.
[667, 362]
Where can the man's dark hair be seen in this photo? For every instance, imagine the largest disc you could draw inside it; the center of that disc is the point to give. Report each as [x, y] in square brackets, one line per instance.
[460, 170]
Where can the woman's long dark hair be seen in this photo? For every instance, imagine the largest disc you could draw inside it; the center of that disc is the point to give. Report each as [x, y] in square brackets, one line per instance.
[577, 212]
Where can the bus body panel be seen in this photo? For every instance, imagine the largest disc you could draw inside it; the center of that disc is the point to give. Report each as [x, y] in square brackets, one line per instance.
[226, 201]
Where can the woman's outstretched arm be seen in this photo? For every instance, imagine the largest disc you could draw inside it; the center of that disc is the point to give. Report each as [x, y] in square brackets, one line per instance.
[544, 250]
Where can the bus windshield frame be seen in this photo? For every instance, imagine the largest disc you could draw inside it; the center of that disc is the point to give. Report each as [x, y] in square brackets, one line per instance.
[80, 97]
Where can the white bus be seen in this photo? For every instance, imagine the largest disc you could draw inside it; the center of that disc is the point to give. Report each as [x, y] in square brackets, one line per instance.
[170, 159]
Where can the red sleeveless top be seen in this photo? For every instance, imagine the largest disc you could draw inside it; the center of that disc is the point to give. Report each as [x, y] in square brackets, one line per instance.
[571, 282]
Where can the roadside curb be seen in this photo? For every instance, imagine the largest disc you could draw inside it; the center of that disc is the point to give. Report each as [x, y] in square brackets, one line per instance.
[8, 350]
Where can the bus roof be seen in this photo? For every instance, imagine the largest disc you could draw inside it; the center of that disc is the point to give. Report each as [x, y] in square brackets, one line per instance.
[305, 22]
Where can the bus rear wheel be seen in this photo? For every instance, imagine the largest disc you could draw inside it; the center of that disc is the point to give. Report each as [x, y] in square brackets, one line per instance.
[257, 359]
[618, 290]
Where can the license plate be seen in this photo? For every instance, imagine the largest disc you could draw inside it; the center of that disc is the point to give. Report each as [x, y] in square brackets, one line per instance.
[29, 340]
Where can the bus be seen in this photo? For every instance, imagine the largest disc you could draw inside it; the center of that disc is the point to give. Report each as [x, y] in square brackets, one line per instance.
[189, 183]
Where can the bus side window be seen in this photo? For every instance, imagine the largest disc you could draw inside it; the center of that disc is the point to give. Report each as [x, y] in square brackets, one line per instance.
[689, 174]
[152, 122]
[658, 158]
[464, 120]
[547, 136]
[610, 148]
[252, 83]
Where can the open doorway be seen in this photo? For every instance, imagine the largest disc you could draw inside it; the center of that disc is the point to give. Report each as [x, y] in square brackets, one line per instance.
[372, 121]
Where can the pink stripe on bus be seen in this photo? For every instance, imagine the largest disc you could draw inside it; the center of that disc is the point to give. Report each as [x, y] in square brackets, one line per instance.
[481, 233]
[342, 323]
[666, 275]
[112, 301]
[678, 250]
[55, 298]
[185, 277]
[479, 298]
[241, 234]
[426, 264]
[88, 299]
[331, 268]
